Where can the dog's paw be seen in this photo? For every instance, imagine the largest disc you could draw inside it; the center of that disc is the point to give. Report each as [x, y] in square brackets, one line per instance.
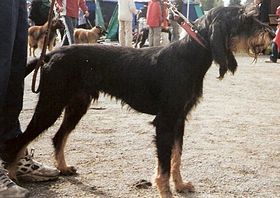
[69, 170]
[185, 187]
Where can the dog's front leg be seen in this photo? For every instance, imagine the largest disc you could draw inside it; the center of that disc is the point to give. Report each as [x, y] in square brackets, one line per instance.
[180, 186]
[164, 142]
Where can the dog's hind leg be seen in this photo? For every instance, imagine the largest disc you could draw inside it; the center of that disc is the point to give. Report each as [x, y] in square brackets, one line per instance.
[46, 113]
[74, 111]
[180, 186]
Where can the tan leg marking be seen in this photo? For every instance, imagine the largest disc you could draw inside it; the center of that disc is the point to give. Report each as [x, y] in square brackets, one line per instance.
[60, 160]
[162, 181]
[180, 186]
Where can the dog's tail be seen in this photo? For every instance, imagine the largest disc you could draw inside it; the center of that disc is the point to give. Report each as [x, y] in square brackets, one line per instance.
[32, 64]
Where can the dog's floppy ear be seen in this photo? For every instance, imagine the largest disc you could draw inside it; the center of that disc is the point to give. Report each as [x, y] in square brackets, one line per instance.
[221, 52]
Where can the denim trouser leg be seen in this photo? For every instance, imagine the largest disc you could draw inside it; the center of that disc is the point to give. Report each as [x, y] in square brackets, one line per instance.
[13, 54]
[70, 23]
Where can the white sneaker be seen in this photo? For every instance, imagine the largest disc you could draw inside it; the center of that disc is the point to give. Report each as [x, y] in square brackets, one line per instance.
[30, 170]
[8, 188]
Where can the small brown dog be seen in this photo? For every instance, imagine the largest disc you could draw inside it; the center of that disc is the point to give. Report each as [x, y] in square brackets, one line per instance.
[88, 36]
[36, 35]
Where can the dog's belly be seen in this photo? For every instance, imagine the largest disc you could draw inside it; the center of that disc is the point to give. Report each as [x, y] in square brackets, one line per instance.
[143, 104]
[147, 108]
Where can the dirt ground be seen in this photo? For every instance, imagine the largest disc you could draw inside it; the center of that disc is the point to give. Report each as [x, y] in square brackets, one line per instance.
[231, 143]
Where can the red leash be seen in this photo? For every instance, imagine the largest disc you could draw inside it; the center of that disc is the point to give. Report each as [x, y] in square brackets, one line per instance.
[192, 33]
[41, 62]
[188, 26]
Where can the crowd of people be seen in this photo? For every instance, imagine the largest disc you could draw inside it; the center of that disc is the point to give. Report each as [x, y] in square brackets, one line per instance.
[13, 57]
[157, 19]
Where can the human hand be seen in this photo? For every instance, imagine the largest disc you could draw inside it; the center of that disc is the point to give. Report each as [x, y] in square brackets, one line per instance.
[59, 9]
[86, 14]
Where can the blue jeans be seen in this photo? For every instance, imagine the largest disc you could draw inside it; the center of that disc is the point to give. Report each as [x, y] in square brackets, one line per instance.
[70, 23]
[13, 55]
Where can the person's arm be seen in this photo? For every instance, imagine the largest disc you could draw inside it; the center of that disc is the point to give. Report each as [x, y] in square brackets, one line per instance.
[84, 8]
[132, 7]
[278, 11]
[59, 6]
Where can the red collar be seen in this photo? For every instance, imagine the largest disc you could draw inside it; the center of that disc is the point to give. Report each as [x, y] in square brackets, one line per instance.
[192, 32]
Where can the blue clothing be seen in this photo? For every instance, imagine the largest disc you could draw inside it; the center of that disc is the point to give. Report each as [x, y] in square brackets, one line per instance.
[13, 56]
[70, 23]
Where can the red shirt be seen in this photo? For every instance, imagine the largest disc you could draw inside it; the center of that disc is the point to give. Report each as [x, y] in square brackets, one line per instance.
[71, 7]
[154, 16]
[278, 11]
[277, 37]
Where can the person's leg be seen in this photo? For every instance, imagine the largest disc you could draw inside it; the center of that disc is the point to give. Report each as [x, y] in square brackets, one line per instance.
[13, 22]
[157, 33]
[122, 33]
[274, 54]
[128, 33]
[151, 37]
[74, 23]
[13, 53]
[69, 23]
[175, 31]
[165, 39]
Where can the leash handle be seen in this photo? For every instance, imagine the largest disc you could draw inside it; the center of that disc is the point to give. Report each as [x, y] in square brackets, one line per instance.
[41, 62]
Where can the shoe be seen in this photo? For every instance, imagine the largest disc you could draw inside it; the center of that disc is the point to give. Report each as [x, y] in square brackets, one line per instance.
[269, 61]
[8, 188]
[30, 170]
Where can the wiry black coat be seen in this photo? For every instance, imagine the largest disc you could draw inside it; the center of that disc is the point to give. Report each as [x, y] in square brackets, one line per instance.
[162, 81]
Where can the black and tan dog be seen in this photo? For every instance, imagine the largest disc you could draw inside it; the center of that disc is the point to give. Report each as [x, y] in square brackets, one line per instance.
[163, 81]
[36, 35]
[88, 36]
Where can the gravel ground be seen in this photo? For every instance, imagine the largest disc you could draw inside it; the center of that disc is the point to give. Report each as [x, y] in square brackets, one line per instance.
[231, 143]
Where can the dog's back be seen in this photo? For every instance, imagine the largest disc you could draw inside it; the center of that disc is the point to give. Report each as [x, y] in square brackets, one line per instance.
[88, 36]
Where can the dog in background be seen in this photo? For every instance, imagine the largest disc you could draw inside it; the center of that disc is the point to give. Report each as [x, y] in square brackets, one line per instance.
[36, 35]
[165, 81]
[144, 34]
[88, 36]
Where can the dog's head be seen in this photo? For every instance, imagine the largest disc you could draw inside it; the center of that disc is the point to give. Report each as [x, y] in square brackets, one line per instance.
[101, 30]
[232, 29]
[57, 23]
